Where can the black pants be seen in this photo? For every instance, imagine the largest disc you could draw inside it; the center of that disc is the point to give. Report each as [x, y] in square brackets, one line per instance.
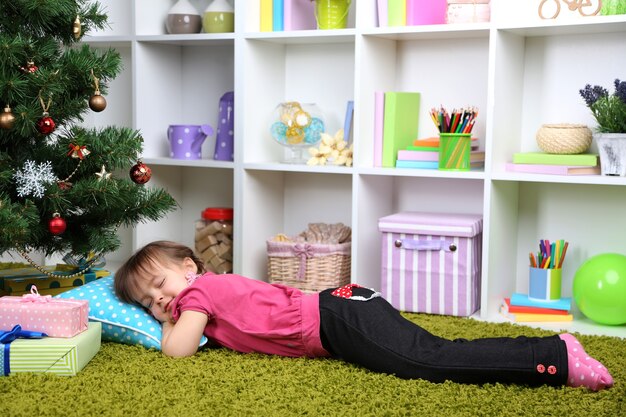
[373, 334]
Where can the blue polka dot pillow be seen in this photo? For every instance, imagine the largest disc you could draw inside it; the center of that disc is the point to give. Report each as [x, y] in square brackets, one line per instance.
[121, 322]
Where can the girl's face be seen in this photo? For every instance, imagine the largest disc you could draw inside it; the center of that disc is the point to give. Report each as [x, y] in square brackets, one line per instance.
[164, 281]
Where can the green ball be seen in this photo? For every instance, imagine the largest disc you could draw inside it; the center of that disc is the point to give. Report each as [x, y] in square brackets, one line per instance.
[600, 288]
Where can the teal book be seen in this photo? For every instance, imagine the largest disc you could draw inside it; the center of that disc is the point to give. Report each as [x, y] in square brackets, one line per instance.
[399, 124]
[417, 164]
[581, 159]
[518, 299]
[278, 15]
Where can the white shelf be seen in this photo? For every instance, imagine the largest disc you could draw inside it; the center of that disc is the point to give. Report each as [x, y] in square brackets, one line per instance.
[519, 70]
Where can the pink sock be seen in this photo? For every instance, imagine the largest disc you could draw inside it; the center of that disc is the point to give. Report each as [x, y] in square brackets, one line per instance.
[583, 369]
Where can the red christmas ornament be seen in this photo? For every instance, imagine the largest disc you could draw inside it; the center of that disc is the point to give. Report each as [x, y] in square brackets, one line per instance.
[64, 185]
[57, 224]
[45, 125]
[30, 68]
[140, 173]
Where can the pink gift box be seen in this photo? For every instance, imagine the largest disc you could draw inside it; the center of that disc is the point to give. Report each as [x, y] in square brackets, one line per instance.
[431, 262]
[42, 313]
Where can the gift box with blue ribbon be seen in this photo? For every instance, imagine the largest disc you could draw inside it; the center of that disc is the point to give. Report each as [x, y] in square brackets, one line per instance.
[22, 351]
[18, 281]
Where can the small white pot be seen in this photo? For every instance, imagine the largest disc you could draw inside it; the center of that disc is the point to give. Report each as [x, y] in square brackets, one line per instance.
[612, 150]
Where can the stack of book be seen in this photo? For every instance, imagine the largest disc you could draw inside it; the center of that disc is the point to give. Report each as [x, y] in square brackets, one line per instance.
[554, 164]
[287, 15]
[521, 308]
[424, 154]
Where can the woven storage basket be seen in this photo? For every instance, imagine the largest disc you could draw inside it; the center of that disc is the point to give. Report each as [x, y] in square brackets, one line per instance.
[564, 138]
[310, 267]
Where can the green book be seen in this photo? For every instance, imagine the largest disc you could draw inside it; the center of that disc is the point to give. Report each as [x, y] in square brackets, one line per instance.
[582, 159]
[422, 148]
[396, 12]
[400, 124]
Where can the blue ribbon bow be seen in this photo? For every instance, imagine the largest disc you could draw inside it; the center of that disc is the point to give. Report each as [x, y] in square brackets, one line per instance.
[6, 337]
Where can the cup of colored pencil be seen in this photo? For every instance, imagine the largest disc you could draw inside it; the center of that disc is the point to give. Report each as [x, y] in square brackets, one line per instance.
[455, 137]
[544, 280]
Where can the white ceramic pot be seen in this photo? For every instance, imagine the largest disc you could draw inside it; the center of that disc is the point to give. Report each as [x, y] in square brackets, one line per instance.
[612, 150]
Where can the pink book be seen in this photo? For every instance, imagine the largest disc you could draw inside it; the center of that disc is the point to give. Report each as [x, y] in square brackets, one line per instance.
[299, 15]
[404, 155]
[382, 13]
[426, 12]
[379, 115]
[553, 169]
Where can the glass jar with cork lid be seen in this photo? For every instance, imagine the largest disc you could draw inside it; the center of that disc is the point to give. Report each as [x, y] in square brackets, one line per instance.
[214, 239]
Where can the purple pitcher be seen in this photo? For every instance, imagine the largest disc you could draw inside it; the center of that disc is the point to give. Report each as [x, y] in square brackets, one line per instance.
[225, 125]
[186, 140]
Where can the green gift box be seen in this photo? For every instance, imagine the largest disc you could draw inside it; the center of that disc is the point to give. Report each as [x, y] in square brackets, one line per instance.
[51, 355]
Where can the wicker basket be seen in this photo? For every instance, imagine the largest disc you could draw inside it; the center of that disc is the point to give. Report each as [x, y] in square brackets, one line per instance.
[310, 267]
[564, 138]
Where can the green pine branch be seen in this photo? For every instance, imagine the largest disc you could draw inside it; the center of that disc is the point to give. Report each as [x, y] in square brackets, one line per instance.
[42, 65]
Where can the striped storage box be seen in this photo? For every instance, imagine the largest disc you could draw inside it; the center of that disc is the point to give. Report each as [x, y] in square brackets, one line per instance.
[51, 355]
[431, 262]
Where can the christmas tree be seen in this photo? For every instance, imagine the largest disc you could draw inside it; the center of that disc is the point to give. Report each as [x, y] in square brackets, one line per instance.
[57, 190]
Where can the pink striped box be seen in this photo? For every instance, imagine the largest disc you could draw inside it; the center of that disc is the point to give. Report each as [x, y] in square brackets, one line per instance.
[431, 262]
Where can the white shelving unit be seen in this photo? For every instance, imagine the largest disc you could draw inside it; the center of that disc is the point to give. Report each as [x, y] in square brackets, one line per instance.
[519, 70]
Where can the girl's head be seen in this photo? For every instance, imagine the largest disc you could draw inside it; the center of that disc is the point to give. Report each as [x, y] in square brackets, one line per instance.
[155, 275]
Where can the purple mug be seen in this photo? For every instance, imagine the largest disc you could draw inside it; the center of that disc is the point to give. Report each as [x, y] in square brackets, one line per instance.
[186, 140]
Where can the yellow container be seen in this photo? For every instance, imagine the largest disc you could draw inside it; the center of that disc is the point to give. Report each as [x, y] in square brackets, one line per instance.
[332, 14]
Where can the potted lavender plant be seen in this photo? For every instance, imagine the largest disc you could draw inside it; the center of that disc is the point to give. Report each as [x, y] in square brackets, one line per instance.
[609, 110]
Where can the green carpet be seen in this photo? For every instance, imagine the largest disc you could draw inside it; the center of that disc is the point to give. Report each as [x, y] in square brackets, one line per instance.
[131, 381]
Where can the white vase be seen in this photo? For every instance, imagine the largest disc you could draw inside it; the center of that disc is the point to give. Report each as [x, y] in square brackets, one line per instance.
[183, 18]
[219, 17]
[612, 150]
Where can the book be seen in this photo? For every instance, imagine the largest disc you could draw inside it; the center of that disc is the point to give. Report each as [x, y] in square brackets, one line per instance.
[266, 15]
[396, 12]
[533, 317]
[348, 123]
[381, 6]
[299, 15]
[419, 155]
[399, 124]
[379, 114]
[278, 15]
[417, 164]
[518, 299]
[432, 142]
[423, 148]
[408, 155]
[553, 169]
[430, 164]
[506, 307]
[426, 12]
[581, 159]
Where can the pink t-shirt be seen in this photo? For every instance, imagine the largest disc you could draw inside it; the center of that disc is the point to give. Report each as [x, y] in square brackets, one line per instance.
[247, 315]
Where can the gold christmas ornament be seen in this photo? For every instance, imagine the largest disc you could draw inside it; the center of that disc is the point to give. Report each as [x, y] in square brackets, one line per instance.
[97, 102]
[76, 28]
[7, 118]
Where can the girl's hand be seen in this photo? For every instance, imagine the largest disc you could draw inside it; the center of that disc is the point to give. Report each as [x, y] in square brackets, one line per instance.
[183, 337]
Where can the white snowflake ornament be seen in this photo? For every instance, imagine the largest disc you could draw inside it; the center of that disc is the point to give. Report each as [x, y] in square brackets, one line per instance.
[33, 178]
